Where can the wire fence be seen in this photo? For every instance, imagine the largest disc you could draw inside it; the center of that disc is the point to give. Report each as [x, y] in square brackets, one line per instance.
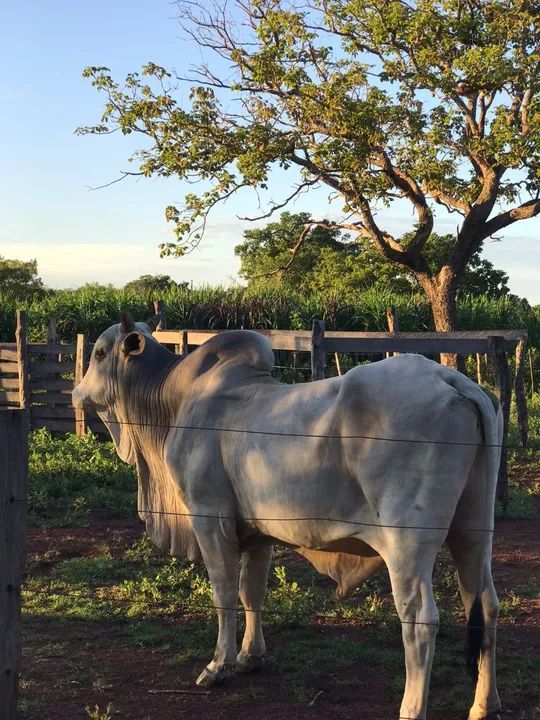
[247, 518]
[309, 518]
[322, 436]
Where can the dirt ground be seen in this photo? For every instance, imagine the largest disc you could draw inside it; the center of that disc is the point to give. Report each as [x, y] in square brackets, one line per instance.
[77, 664]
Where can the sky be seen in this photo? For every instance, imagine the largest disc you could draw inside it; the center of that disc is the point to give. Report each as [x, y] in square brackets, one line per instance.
[78, 235]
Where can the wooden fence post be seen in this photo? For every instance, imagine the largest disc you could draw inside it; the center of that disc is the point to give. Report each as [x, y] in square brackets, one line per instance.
[159, 309]
[393, 324]
[318, 355]
[479, 379]
[503, 384]
[52, 339]
[14, 426]
[531, 370]
[52, 335]
[184, 348]
[21, 338]
[519, 387]
[80, 367]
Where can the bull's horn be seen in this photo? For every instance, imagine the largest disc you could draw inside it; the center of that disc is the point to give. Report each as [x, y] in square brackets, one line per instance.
[127, 323]
[154, 322]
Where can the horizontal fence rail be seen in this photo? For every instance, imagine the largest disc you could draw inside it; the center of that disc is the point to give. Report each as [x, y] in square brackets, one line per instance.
[462, 343]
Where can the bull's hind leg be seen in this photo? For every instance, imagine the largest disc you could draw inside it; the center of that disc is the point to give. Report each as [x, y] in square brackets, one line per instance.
[254, 567]
[472, 553]
[410, 564]
[221, 557]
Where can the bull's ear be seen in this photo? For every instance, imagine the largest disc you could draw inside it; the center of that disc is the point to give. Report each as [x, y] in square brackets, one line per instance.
[154, 322]
[133, 344]
[127, 323]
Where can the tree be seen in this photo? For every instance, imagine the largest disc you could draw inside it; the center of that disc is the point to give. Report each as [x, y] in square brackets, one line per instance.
[434, 103]
[19, 277]
[480, 277]
[330, 262]
[152, 285]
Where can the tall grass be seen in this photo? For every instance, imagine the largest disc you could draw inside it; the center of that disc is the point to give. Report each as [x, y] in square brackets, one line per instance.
[91, 309]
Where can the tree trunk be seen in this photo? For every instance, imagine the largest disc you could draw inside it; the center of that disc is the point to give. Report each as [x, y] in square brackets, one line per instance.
[441, 292]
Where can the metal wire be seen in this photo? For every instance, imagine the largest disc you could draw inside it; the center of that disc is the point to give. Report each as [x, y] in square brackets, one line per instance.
[237, 518]
[212, 607]
[277, 433]
[355, 523]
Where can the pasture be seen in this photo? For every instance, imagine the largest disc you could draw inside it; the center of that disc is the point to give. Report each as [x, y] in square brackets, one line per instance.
[115, 629]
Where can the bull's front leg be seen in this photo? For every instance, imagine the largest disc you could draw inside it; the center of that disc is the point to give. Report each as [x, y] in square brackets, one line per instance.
[221, 557]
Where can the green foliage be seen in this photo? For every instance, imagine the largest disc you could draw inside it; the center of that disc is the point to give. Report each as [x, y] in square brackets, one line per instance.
[331, 263]
[327, 262]
[97, 714]
[92, 309]
[69, 477]
[152, 286]
[519, 506]
[19, 278]
[524, 483]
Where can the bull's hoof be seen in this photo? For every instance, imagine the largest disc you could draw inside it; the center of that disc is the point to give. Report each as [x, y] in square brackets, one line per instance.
[209, 678]
[494, 715]
[249, 663]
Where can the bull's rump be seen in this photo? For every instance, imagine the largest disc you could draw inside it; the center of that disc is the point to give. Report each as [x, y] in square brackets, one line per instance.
[341, 457]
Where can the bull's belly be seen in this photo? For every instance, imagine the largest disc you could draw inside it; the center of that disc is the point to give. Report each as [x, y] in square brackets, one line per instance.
[249, 537]
[324, 519]
[318, 534]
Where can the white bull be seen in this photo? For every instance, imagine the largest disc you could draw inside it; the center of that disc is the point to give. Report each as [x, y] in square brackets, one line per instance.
[389, 461]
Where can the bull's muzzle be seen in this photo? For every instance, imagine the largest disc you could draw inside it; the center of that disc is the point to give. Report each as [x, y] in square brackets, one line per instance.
[79, 399]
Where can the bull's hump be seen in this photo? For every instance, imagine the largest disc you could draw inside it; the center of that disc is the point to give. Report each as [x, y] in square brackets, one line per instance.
[245, 347]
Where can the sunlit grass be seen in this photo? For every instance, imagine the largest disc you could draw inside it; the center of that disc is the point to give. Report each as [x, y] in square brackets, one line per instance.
[71, 476]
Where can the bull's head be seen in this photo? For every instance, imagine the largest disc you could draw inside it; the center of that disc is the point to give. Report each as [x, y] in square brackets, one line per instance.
[103, 386]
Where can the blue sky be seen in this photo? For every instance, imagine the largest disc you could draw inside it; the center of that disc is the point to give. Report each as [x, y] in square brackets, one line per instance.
[111, 235]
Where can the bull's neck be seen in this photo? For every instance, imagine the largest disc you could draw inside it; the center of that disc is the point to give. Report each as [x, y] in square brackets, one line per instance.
[149, 406]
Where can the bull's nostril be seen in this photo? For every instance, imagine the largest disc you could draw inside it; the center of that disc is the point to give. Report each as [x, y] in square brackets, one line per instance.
[78, 400]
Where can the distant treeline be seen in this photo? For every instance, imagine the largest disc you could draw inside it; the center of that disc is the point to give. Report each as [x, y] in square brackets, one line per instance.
[91, 309]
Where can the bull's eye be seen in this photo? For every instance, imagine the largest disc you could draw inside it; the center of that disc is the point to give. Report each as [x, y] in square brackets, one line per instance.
[100, 354]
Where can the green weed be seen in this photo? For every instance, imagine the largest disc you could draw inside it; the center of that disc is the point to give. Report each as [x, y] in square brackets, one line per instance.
[97, 714]
[71, 476]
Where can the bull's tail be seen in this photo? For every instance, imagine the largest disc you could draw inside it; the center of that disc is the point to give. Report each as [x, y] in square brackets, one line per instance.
[475, 638]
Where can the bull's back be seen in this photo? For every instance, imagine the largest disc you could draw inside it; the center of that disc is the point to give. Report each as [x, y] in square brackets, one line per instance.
[377, 442]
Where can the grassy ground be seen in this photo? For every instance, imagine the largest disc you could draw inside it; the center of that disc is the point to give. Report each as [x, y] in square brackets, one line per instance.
[524, 467]
[106, 612]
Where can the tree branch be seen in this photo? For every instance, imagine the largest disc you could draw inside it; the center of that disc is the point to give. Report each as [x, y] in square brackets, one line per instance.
[452, 204]
[294, 252]
[413, 192]
[279, 206]
[123, 175]
[527, 210]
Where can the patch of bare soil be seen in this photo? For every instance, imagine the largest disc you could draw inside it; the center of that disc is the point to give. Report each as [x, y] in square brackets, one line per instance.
[48, 546]
[73, 664]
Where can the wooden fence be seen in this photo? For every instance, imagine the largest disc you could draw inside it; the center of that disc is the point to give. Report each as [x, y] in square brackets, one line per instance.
[13, 494]
[41, 376]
